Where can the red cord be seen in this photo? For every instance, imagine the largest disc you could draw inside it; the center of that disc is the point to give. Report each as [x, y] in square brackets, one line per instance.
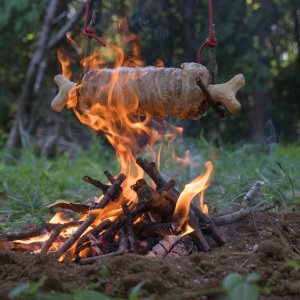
[88, 31]
[211, 40]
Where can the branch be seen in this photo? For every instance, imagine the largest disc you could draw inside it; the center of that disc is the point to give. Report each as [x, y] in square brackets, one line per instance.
[56, 39]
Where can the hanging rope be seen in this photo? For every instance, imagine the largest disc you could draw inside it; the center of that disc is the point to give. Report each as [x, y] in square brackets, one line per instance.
[211, 40]
[90, 31]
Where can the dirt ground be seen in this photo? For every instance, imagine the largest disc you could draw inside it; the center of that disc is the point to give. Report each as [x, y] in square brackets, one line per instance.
[262, 243]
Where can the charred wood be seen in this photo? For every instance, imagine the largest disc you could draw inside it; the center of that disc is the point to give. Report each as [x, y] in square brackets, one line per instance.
[109, 176]
[95, 232]
[159, 229]
[98, 184]
[123, 247]
[76, 207]
[80, 230]
[129, 227]
[113, 192]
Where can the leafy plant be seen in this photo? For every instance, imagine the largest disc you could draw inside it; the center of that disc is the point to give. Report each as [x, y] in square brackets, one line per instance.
[27, 289]
[238, 288]
[135, 291]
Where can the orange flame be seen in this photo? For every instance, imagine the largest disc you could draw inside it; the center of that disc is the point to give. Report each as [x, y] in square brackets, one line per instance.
[197, 186]
[65, 64]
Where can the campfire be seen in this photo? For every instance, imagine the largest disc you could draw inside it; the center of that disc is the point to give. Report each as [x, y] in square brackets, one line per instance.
[138, 210]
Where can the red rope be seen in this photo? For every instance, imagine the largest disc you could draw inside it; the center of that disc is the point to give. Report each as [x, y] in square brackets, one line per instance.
[88, 31]
[211, 40]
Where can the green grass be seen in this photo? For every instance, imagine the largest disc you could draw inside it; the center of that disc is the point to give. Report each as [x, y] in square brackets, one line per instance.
[30, 182]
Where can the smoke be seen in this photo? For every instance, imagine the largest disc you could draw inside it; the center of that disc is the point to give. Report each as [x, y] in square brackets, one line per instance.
[270, 137]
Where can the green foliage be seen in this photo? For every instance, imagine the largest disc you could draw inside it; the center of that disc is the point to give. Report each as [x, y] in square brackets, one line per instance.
[238, 288]
[31, 291]
[29, 183]
[135, 291]
[27, 289]
[104, 272]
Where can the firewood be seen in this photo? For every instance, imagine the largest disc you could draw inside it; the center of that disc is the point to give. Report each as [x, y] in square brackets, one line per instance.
[245, 207]
[53, 236]
[157, 204]
[123, 247]
[250, 195]
[76, 207]
[112, 193]
[159, 229]
[161, 92]
[109, 176]
[98, 184]
[80, 230]
[151, 170]
[163, 247]
[197, 235]
[129, 228]
[95, 232]
[27, 234]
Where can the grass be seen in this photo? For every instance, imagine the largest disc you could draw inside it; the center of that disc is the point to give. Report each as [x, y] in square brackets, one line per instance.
[30, 182]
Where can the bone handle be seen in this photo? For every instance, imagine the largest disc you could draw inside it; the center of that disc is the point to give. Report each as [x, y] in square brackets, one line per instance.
[64, 85]
[225, 93]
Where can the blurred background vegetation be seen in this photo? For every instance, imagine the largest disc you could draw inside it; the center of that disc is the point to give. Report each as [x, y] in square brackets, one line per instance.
[259, 38]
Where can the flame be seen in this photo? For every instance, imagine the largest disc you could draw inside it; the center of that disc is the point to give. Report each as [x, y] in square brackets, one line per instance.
[42, 238]
[197, 186]
[58, 219]
[186, 160]
[203, 206]
[65, 63]
[122, 130]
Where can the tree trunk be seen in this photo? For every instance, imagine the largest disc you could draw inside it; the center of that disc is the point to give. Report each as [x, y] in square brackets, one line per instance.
[259, 114]
[190, 51]
[25, 100]
[295, 14]
[36, 71]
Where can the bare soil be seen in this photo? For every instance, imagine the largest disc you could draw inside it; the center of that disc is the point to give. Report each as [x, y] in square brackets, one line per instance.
[262, 243]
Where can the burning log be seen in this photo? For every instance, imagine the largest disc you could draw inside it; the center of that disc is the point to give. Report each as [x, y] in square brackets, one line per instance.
[80, 230]
[94, 232]
[173, 194]
[53, 236]
[159, 229]
[156, 233]
[26, 234]
[34, 232]
[155, 202]
[129, 227]
[123, 246]
[161, 92]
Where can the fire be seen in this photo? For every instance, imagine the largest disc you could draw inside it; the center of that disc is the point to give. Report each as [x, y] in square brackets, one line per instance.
[124, 132]
[65, 63]
[58, 219]
[192, 189]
